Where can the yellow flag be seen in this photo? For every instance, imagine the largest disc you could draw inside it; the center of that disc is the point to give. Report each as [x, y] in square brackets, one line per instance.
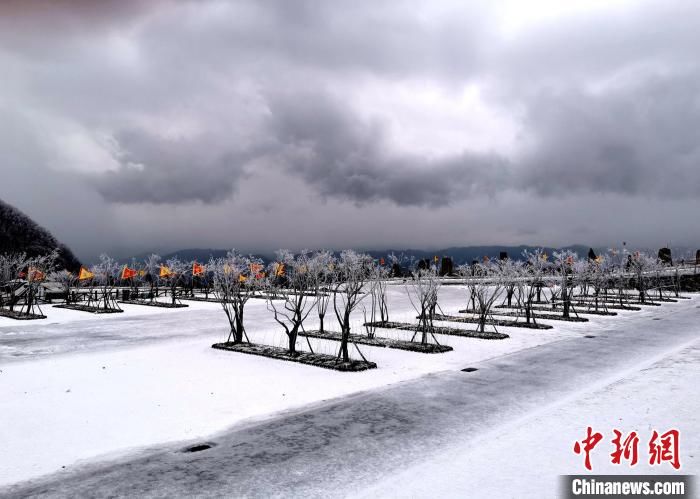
[85, 274]
[242, 278]
[165, 271]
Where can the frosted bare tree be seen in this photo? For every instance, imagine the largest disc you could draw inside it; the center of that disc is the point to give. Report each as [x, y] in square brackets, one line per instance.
[564, 263]
[484, 287]
[422, 292]
[351, 270]
[35, 272]
[294, 287]
[643, 267]
[534, 272]
[377, 306]
[322, 268]
[106, 274]
[11, 264]
[152, 266]
[177, 276]
[236, 278]
[67, 281]
[511, 271]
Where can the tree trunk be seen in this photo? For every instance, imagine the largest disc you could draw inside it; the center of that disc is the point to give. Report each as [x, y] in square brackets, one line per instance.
[293, 339]
[345, 337]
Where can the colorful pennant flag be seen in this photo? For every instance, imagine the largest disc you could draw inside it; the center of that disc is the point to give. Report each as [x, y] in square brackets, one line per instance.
[197, 269]
[128, 273]
[85, 274]
[35, 274]
[165, 271]
[279, 270]
[242, 278]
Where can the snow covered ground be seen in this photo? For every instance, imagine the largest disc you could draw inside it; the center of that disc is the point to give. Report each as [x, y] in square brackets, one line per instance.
[80, 387]
[525, 458]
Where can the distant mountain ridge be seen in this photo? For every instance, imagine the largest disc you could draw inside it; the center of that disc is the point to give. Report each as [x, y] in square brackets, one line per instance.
[19, 233]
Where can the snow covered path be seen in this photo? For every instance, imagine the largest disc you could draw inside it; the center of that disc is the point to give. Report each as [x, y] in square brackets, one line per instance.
[425, 427]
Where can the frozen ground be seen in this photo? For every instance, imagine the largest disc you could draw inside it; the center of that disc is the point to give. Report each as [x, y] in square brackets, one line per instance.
[110, 388]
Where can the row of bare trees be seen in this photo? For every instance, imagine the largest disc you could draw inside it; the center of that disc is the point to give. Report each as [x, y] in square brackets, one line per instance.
[296, 285]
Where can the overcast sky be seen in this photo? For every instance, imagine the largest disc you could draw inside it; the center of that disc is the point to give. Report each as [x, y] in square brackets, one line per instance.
[130, 126]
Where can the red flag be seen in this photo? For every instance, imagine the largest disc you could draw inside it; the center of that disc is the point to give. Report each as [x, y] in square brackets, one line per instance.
[197, 269]
[128, 273]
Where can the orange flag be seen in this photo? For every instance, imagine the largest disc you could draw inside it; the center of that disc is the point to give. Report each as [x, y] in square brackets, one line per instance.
[165, 271]
[35, 274]
[255, 268]
[569, 260]
[279, 269]
[381, 261]
[85, 274]
[242, 278]
[128, 273]
[197, 269]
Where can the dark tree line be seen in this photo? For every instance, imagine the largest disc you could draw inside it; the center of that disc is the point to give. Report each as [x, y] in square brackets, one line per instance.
[20, 234]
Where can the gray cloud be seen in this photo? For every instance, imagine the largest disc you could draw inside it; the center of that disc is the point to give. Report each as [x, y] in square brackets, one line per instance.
[218, 107]
[157, 170]
[342, 156]
[640, 139]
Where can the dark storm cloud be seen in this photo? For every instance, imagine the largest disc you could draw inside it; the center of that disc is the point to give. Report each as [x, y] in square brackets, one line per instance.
[344, 157]
[158, 170]
[641, 139]
[187, 104]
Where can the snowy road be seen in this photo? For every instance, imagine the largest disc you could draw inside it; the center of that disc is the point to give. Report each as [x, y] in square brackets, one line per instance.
[383, 440]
